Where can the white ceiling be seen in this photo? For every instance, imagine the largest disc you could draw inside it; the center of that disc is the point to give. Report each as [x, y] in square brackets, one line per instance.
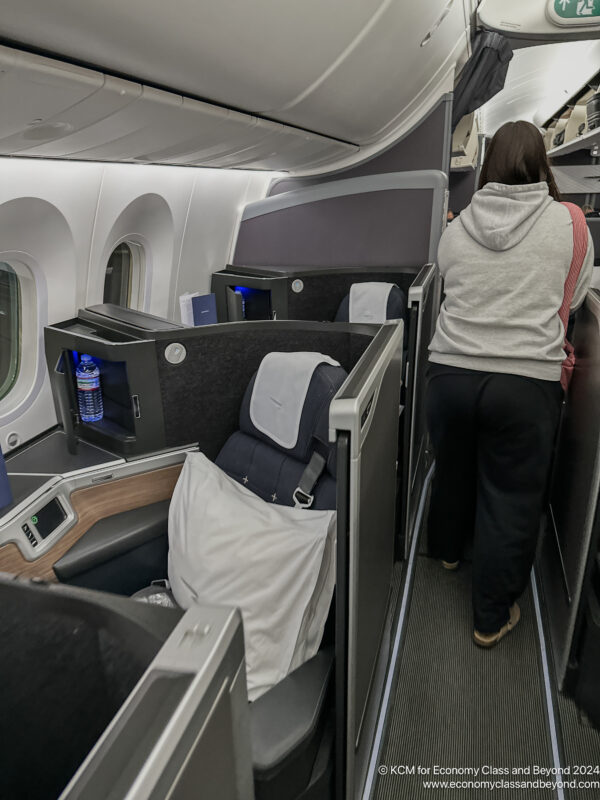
[540, 80]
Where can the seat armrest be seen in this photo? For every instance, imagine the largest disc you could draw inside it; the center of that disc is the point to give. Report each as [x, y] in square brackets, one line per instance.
[113, 536]
[287, 716]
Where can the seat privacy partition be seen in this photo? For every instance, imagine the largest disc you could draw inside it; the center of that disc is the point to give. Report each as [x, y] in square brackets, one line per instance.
[423, 304]
[365, 416]
[569, 554]
[167, 388]
[198, 399]
[299, 251]
[295, 292]
[105, 697]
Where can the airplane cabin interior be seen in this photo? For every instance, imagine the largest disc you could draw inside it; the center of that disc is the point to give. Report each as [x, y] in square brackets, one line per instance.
[219, 227]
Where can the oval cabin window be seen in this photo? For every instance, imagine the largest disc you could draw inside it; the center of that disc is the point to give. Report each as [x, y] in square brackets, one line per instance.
[10, 328]
[123, 283]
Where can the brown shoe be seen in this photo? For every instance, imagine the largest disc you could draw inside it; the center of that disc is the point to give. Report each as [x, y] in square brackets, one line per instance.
[451, 565]
[491, 639]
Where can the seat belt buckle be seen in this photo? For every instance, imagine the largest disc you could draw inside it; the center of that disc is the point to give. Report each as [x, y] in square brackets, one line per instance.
[302, 499]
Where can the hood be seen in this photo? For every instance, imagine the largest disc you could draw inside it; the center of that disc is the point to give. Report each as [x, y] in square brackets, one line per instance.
[500, 216]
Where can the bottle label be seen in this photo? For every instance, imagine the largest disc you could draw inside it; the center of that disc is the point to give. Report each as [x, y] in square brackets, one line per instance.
[88, 384]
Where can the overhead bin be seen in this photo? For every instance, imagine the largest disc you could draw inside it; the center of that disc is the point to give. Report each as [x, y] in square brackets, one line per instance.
[549, 135]
[581, 133]
[362, 72]
[577, 122]
[465, 144]
[65, 111]
[560, 129]
[582, 116]
[105, 697]
[593, 110]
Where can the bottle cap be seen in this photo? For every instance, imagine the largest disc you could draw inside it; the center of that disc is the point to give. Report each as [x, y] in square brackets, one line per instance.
[86, 358]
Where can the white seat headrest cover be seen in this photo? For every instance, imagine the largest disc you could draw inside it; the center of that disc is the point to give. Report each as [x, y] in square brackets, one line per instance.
[368, 302]
[279, 394]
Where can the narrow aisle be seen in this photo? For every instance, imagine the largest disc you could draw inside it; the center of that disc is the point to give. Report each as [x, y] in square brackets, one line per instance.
[461, 707]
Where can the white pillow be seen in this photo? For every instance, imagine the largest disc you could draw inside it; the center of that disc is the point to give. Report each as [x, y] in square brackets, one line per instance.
[279, 394]
[227, 546]
[368, 302]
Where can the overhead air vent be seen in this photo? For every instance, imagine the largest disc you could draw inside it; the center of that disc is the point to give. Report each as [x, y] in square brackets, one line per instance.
[52, 130]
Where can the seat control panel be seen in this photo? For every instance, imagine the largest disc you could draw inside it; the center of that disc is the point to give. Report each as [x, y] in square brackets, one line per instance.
[29, 534]
[44, 522]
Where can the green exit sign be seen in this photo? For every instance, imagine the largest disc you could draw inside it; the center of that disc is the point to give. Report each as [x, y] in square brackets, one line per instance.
[579, 11]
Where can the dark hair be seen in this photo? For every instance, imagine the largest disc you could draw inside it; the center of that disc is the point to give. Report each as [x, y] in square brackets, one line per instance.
[517, 155]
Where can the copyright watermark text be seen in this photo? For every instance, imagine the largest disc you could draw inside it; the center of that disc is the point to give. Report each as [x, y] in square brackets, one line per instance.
[491, 778]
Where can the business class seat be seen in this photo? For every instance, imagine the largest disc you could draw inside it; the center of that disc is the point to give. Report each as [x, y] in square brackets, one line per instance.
[376, 303]
[274, 472]
[292, 737]
[372, 302]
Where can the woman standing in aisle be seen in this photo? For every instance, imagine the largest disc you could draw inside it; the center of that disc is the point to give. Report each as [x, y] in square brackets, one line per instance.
[494, 391]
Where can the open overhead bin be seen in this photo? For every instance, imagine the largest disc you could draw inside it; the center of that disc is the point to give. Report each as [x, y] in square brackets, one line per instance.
[465, 144]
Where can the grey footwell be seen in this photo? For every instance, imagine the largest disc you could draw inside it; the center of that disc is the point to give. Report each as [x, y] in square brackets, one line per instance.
[457, 706]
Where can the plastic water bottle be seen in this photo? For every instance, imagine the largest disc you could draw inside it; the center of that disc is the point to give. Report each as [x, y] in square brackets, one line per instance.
[89, 393]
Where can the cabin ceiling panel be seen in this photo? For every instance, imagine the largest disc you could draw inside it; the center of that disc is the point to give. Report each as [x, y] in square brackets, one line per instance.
[348, 69]
[539, 81]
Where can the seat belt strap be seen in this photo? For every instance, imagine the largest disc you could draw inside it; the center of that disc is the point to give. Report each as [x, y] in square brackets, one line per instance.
[303, 493]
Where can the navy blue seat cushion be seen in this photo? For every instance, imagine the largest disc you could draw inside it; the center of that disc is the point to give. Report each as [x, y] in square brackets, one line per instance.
[269, 473]
[396, 306]
[273, 472]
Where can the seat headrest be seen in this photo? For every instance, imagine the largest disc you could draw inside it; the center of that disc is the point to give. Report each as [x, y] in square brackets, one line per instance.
[287, 402]
[372, 302]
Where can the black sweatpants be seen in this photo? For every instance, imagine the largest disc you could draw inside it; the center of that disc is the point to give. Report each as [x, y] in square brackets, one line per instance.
[493, 438]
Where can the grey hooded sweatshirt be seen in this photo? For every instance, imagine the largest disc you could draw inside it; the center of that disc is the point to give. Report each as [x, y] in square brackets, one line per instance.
[504, 262]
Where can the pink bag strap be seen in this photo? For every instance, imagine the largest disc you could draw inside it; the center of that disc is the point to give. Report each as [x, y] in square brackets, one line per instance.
[580, 242]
